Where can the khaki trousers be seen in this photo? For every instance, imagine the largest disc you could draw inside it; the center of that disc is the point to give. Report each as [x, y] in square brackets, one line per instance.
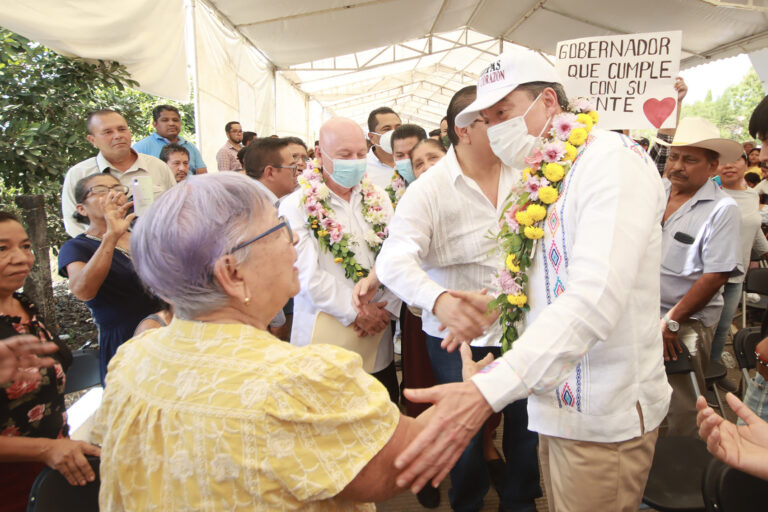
[681, 418]
[584, 476]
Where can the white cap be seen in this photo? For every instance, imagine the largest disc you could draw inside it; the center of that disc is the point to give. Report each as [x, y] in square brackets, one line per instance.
[511, 69]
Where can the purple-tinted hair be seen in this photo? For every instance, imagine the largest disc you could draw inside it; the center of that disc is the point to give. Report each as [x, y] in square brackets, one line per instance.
[177, 242]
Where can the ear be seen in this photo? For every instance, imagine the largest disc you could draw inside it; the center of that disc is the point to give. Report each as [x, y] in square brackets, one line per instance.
[154, 124]
[319, 155]
[375, 138]
[91, 139]
[229, 278]
[81, 210]
[269, 172]
[549, 98]
[461, 133]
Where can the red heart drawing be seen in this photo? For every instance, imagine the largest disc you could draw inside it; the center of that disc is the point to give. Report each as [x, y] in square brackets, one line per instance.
[657, 111]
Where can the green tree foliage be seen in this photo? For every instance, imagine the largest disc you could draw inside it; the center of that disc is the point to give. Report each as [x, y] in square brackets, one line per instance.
[44, 101]
[731, 111]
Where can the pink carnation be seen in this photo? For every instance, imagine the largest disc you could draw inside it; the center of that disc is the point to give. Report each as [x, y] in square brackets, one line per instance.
[398, 183]
[327, 223]
[553, 151]
[509, 218]
[312, 208]
[533, 185]
[582, 104]
[336, 235]
[508, 284]
[535, 159]
[563, 124]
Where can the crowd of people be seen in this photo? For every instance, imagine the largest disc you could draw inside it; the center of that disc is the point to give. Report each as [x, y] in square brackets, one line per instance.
[234, 287]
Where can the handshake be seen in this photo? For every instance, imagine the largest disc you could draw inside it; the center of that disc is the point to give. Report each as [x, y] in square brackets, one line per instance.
[464, 314]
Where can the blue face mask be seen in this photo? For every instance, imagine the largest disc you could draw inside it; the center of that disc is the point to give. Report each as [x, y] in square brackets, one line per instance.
[348, 173]
[405, 170]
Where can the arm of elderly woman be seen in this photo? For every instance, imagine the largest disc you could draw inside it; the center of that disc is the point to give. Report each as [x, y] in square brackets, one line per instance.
[64, 455]
[377, 480]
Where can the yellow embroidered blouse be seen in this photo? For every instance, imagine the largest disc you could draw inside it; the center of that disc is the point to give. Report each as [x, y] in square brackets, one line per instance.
[201, 416]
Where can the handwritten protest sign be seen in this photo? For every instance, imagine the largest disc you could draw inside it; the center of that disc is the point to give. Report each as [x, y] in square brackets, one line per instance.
[630, 78]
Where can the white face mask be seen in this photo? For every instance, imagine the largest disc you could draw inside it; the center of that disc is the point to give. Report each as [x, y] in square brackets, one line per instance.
[510, 140]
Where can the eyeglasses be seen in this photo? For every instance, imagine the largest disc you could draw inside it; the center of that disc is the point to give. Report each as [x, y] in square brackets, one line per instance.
[282, 224]
[295, 167]
[104, 189]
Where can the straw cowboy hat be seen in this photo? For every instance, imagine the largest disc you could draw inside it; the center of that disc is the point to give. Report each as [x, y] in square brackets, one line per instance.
[697, 132]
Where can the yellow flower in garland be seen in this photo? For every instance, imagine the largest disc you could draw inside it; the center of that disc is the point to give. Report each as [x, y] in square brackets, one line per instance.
[338, 260]
[527, 172]
[554, 172]
[536, 211]
[570, 152]
[548, 195]
[578, 136]
[593, 115]
[322, 233]
[523, 218]
[511, 264]
[533, 233]
[586, 120]
[517, 300]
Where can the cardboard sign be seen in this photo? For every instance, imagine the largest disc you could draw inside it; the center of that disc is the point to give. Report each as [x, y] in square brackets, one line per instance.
[629, 78]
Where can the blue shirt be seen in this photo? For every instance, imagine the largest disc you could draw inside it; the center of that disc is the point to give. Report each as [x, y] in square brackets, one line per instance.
[153, 144]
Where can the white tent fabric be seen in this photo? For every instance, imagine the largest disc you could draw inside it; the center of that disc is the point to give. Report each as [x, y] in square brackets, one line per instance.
[146, 36]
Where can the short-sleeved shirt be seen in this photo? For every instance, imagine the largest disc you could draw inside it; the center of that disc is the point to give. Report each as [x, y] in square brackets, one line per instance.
[701, 237]
[227, 417]
[154, 143]
[145, 165]
[226, 157]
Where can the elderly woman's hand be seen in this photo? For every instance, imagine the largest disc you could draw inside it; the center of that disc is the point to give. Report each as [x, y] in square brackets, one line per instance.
[115, 208]
[18, 354]
[68, 458]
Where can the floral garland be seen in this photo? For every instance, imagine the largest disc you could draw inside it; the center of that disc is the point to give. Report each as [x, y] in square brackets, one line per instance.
[330, 233]
[526, 208]
[396, 188]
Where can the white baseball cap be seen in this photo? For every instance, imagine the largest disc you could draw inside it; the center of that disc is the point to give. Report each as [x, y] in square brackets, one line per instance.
[511, 69]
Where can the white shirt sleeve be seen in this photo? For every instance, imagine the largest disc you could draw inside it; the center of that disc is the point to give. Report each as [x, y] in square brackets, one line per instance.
[398, 266]
[615, 208]
[68, 203]
[321, 286]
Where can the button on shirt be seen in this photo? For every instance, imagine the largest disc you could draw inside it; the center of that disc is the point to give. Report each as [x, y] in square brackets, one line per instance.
[592, 350]
[226, 157]
[439, 240]
[145, 165]
[324, 287]
[701, 237]
[153, 144]
[378, 172]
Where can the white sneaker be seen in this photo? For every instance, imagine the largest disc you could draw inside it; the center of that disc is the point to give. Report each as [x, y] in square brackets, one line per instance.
[728, 360]
[754, 298]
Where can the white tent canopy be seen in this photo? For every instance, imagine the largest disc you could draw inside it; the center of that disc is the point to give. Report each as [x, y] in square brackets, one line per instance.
[283, 67]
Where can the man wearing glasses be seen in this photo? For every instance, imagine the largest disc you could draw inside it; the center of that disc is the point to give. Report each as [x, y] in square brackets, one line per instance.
[109, 133]
[271, 164]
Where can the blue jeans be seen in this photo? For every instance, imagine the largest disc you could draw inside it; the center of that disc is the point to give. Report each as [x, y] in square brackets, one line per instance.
[469, 477]
[756, 397]
[731, 295]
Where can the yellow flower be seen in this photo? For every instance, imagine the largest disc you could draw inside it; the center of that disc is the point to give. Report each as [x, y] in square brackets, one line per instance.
[511, 264]
[533, 233]
[578, 136]
[527, 173]
[570, 152]
[360, 274]
[523, 218]
[338, 260]
[554, 172]
[537, 212]
[586, 120]
[517, 300]
[548, 195]
[593, 115]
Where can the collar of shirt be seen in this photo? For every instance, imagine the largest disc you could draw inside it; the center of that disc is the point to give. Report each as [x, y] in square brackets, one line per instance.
[374, 160]
[234, 147]
[104, 165]
[707, 192]
[273, 199]
[160, 138]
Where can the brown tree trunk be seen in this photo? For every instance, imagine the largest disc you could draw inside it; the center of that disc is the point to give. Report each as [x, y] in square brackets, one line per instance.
[38, 286]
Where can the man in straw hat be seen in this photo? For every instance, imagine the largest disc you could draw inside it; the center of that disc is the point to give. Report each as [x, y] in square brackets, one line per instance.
[590, 357]
[700, 251]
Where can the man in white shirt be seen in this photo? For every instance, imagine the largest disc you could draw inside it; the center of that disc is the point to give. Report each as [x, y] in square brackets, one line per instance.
[381, 164]
[270, 162]
[109, 133]
[439, 242]
[590, 358]
[324, 284]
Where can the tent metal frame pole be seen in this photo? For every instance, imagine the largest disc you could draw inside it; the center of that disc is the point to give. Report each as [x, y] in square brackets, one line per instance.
[195, 75]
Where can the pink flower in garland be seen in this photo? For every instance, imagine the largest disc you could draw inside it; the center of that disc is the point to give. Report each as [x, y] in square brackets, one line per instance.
[533, 185]
[327, 223]
[336, 234]
[508, 284]
[509, 218]
[553, 151]
[563, 124]
[535, 159]
[312, 209]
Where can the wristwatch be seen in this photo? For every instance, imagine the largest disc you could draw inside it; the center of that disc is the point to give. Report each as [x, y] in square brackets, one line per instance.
[671, 324]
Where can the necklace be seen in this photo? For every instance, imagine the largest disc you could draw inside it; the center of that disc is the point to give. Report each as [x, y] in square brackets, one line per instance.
[330, 233]
[525, 209]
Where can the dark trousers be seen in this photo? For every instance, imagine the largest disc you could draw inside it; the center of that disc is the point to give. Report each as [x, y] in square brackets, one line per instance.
[388, 377]
[469, 477]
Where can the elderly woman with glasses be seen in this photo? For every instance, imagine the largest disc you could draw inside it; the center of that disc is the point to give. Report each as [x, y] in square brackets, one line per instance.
[99, 267]
[215, 413]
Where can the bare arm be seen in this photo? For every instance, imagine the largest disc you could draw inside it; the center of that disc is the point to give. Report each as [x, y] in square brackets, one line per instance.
[682, 90]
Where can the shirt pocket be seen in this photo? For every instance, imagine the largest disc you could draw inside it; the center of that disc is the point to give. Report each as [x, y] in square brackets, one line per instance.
[674, 255]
